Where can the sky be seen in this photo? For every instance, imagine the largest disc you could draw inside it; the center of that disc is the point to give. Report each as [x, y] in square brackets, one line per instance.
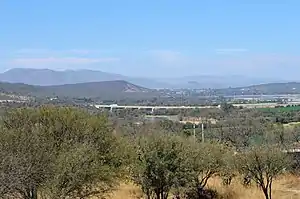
[153, 38]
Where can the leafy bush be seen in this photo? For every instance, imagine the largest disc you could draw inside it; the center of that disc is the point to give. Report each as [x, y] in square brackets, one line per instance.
[160, 164]
[58, 153]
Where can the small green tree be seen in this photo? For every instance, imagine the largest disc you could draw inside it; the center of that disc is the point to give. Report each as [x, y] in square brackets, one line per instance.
[263, 164]
[78, 175]
[227, 108]
[228, 170]
[160, 164]
[205, 160]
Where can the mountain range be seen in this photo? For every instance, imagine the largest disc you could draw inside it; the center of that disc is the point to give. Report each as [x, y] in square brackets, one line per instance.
[47, 77]
[105, 90]
[262, 89]
[123, 90]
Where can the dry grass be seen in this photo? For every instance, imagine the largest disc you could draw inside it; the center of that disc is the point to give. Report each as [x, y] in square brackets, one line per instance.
[285, 187]
[127, 191]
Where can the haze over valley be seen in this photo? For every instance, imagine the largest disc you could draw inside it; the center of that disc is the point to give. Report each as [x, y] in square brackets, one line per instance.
[48, 77]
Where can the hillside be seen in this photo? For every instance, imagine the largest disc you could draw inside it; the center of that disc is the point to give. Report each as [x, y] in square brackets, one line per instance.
[217, 82]
[47, 77]
[263, 89]
[105, 90]
[119, 89]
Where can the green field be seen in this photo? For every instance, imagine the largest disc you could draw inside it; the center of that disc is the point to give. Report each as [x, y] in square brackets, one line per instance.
[291, 125]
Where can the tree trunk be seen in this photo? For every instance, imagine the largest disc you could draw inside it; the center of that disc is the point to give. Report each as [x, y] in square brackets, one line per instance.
[199, 190]
[266, 192]
[166, 195]
[34, 193]
[157, 193]
[30, 193]
[148, 193]
[270, 190]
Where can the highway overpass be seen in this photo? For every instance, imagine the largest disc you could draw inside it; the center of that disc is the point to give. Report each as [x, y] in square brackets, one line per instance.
[152, 108]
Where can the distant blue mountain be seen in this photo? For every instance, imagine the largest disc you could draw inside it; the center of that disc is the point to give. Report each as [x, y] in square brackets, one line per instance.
[46, 77]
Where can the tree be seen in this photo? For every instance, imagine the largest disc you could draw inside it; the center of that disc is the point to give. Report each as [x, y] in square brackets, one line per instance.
[204, 161]
[78, 175]
[293, 133]
[170, 126]
[228, 170]
[227, 108]
[263, 164]
[160, 164]
[24, 167]
[276, 134]
[58, 152]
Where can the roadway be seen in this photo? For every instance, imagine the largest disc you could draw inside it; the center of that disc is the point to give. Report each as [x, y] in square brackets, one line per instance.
[151, 107]
[257, 105]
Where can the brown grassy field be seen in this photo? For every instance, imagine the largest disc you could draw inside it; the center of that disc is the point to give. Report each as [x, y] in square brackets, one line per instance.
[285, 187]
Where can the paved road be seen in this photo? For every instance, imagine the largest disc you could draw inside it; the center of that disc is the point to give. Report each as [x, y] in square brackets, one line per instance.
[258, 105]
[152, 107]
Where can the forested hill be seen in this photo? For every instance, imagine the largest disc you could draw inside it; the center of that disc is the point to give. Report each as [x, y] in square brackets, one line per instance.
[108, 89]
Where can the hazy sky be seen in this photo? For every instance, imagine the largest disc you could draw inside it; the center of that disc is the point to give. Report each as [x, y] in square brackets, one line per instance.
[154, 38]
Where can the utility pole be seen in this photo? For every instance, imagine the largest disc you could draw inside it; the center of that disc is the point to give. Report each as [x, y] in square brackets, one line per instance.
[202, 132]
[194, 129]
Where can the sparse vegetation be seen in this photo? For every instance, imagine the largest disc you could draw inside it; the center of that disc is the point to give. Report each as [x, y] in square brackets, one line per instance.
[60, 152]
